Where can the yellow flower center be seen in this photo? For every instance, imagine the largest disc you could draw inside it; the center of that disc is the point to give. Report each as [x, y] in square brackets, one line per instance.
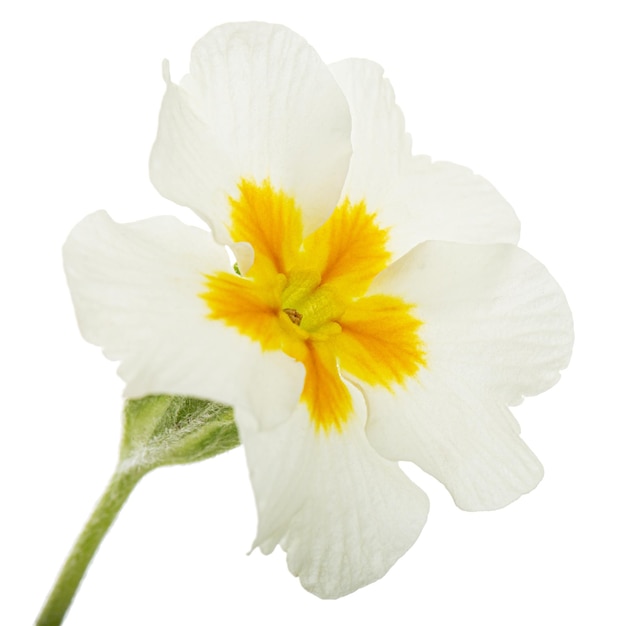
[306, 297]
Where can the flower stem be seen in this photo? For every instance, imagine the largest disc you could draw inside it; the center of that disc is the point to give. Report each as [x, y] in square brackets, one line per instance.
[62, 594]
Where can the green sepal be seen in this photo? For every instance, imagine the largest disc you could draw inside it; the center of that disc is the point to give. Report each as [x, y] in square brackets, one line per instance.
[167, 430]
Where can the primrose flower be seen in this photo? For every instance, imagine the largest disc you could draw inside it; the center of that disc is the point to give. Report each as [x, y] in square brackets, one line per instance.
[379, 311]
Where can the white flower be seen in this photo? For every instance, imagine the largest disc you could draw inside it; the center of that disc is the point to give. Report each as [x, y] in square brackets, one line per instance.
[384, 312]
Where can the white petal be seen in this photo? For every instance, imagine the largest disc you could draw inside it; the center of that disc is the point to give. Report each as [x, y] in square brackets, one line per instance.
[496, 328]
[136, 291]
[258, 103]
[492, 314]
[421, 200]
[342, 513]
[469, 444]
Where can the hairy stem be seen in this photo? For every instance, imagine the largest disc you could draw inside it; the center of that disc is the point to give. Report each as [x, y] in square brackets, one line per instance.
[62, 594]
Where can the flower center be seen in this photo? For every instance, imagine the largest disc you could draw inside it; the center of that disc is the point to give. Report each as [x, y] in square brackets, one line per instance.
[309, 305]
[307, 297]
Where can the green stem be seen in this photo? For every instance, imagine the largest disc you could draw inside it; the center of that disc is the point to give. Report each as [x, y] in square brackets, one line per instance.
[62, 594]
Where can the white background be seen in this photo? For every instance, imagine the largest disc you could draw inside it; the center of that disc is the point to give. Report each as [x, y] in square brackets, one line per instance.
[528, 94]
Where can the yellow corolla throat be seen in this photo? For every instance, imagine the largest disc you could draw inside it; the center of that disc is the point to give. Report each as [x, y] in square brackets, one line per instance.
[306, 297]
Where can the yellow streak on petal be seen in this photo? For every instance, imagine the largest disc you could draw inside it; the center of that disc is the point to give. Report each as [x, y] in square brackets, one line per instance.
[248, 305]
[268, 220]
[326, 395]
[348, 251]
[379, 343]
